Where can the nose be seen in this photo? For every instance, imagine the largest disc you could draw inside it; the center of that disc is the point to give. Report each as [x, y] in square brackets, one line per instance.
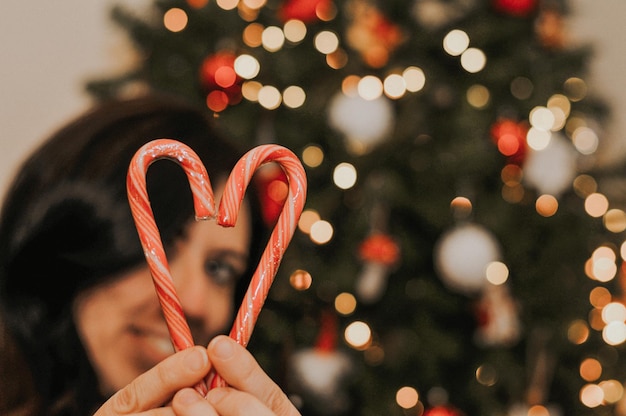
[207, 306]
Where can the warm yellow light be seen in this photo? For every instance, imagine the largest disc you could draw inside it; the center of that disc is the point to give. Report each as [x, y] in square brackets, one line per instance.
[246, 66]
[414, 78]
[614, 333]
[585, 140]
[599, 297]
[358, 335]
[538, 139]
[250, 90]
[546, 205]
[269, 97]
[344, 175]
[578, 332]
[370, 87]
[407, 397]
[590, 369]
[175, 19]
[456, 42]
[614, 311]
[321, 232]
[541, 118]
[300, 280]
[253, 35]
[295, 30]
[227, 4]
[312, 156]
[591, 395]
[307, 218]
[497, 273]
[478, 96]
[473, 60]
[585, 185]
[394, 86]
[294, 96]
[272, 38]
[613, 391]
[615, 220]
[596, 205]
[326, 42]
[575, 88]
[461, 207]
[345, 303]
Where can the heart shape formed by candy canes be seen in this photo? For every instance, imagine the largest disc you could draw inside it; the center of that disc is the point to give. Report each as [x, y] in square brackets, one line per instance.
[204, 206]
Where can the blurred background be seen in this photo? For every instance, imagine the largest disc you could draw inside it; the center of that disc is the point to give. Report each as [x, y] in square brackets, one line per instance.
[462, 248]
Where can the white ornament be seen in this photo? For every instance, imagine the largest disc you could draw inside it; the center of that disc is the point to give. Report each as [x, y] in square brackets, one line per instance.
[372, 282]
[552, 169]
[462, 256]
[364, 123]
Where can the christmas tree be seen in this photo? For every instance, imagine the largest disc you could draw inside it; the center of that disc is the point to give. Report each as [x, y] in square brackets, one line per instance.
[457, 254]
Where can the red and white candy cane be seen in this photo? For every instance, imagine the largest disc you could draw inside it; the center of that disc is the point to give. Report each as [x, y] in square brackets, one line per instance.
[204, 206]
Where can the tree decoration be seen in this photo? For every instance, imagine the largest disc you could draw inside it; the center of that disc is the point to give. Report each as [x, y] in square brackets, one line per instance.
[320, 375]
[550, 29]
[220, 81]
[307, 11]
[379, 253]
[510, 138]
[551, 170]
[272, 185]
[462, 255]
[497, 317]
[371, 34]
[443, 411]
[517, 8]
[435, 14]
[364, 123]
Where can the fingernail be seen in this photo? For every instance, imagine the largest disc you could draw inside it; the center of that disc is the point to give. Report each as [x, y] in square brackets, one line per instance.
[196, 360]
[216, 395]
[188, 396]
[222, 347]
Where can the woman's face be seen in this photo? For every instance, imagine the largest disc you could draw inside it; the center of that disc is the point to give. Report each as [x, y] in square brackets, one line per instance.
[121, 323]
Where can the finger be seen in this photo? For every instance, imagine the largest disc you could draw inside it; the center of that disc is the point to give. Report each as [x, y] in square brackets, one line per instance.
[158, 385]
[188, 402]
[240, 370]
[231, 402]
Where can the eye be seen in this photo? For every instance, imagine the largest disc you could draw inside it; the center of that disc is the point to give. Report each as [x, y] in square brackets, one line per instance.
[221, 272]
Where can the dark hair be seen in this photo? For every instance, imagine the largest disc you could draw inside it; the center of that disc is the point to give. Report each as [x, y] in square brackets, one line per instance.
[66, 225]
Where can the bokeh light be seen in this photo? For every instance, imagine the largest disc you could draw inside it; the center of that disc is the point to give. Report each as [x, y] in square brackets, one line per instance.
[321, 232]
[344, 175]
[473, 60]
[358, 335]
[175, 19]
[345, 303]
[272, 38]
[307, 219]
[300, 280]
[456, 42]
[407, 397]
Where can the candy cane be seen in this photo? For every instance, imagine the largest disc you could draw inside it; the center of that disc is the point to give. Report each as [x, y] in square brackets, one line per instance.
[230, 204]
[148, 231]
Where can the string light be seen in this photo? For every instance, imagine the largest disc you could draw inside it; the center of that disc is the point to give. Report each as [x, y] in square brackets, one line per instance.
[546, 205]
[596, 205]
[321, 232]
[307, 219]
[370, 87]
[175, 19]
[497, 273]
[344, 175]
[312, 156]
[407, 397]
[247, 66]
[478, 96]
[295, 30]
[456, 42]
[473, 60]
[227, 4]
[294, 96]
[345, 303]
[300, 280]
[358, 335]
[272, 38]
[394, 86]
[414, 78]
[269, 97]
[326, 42]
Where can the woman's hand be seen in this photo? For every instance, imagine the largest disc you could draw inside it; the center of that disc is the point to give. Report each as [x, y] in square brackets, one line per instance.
[252, 392]
[156, 387]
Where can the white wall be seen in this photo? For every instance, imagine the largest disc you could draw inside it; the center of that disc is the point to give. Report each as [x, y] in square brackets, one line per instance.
[48, 49]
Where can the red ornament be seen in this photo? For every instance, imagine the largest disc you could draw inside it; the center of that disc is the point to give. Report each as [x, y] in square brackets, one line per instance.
[380, 248]
[305, 10]
[273, 188]
[510, 137]
[371, 34]
[443, 411]
[517, 8]
[221, 82]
